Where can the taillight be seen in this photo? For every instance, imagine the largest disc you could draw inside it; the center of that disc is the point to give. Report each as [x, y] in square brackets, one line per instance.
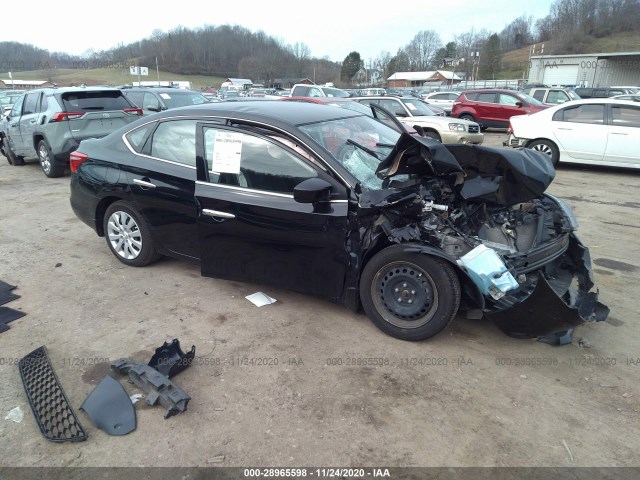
[76, 159]
[62, 116]
[510, 129]
[136, 111]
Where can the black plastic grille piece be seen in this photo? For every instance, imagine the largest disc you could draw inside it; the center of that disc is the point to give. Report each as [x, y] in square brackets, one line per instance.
[49, 404]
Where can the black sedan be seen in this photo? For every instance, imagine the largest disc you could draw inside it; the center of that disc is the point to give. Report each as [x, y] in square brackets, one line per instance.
[334, 203]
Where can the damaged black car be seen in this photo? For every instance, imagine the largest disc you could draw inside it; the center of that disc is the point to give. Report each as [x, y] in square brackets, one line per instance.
[333, 203]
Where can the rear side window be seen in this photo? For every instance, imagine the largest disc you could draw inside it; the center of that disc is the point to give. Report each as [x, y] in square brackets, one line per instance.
[30, 103]
[486, 97]
[175, 141]
[471, 96]
[538, 95]
[137, 138]
[94, 101]
[300, 91]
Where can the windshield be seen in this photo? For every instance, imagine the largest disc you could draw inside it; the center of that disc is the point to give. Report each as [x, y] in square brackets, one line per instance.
[573, 95]
[358, 143]
[418, 107]
[182, 99]
[335, 92]
[530, 100]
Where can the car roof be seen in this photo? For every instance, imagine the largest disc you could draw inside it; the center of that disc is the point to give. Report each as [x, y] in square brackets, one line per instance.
[491, 90]
[271, 111]
[158, 90]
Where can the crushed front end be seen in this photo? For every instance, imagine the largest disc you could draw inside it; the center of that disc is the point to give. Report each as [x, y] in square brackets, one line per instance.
[484, 209]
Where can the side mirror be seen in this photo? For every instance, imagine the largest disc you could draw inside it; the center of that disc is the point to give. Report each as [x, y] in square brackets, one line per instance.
[154, 108]
[400, 113]
[312, 190]
[519, 104]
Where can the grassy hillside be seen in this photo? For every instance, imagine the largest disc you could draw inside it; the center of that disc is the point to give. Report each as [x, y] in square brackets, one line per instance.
[514, 63]
[108, 76]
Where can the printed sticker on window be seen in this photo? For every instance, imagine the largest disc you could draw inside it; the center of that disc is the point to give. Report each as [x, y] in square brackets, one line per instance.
[166, 96]
[227, 150]
[410, 106]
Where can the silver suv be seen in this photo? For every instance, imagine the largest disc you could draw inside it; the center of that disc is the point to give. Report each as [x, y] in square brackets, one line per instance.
[49, 123]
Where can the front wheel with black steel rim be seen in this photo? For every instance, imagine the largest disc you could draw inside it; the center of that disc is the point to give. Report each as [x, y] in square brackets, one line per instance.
[50, 166]
[410, 296]
[128, 236]
[548, 148]
[12, 158]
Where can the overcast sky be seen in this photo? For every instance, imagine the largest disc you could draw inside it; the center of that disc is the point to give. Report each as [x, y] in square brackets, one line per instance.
[329, 28]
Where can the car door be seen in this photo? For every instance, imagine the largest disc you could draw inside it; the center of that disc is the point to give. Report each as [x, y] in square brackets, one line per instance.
[251, 228]
[581, 131]
[624, 135]
[487, 108]
[13, 126]
[29, 123]
[162, 181]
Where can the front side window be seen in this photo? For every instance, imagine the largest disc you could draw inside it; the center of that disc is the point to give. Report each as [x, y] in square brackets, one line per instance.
[586, 113]
[175, 141]
[243, 160]
[625, 116]
[556, 96]
[358, 143]
[508, 100]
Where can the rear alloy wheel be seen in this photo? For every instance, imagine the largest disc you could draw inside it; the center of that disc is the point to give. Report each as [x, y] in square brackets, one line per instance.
[410, 296]
[128, 236]
[50, 166]
[548, 148]
[12, 158]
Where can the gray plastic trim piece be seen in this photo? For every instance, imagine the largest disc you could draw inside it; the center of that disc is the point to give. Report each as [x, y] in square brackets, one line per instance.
[109, 407]
[158, 387]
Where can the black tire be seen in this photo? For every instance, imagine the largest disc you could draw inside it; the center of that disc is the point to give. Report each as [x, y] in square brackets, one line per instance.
[51, 167]
[12, 158]
[467, 116]
[410, 296]
[432, 135]
[548, 148]
[128, 236]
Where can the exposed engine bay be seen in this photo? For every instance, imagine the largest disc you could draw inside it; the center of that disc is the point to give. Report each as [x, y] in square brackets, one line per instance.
[462, 201]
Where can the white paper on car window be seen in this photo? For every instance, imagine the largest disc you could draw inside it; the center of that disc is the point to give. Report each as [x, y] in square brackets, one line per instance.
[166, 96]
[410, 106]
[227, 150]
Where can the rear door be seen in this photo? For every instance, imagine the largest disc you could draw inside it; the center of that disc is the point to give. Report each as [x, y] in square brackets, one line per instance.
[162, 181]
[29, 123]
[250, 227]
[13, 126]
[487, 108]
[96, 113]
[623, 145]
[581, 131]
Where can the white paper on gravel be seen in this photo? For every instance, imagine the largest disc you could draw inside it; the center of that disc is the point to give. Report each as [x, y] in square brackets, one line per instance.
[260, 299]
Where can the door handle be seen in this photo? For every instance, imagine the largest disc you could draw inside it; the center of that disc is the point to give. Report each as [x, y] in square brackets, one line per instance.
[618, 133]
[217, 213]
[569, 129]
[143, 183]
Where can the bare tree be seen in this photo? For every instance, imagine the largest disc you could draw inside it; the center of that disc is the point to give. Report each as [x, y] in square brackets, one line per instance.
[422, 49]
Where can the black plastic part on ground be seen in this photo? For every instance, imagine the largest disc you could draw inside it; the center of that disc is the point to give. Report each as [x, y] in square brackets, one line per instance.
[49, 404]
[170, 360]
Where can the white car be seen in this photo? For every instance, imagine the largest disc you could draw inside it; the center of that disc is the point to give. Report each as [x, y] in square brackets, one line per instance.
[441, 99]
[595, 131]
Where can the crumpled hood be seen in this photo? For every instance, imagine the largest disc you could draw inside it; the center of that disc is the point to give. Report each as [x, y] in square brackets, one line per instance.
[494, 175]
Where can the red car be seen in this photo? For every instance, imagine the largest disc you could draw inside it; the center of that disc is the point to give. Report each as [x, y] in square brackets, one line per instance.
[494, 108]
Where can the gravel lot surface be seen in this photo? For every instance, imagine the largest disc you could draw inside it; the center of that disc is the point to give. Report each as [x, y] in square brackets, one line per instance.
[274, 386]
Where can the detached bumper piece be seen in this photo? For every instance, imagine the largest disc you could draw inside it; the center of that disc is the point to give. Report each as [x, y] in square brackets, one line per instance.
[157, 387]
[170, 360]
[555, 299]
[110, 408]
[49, 404]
